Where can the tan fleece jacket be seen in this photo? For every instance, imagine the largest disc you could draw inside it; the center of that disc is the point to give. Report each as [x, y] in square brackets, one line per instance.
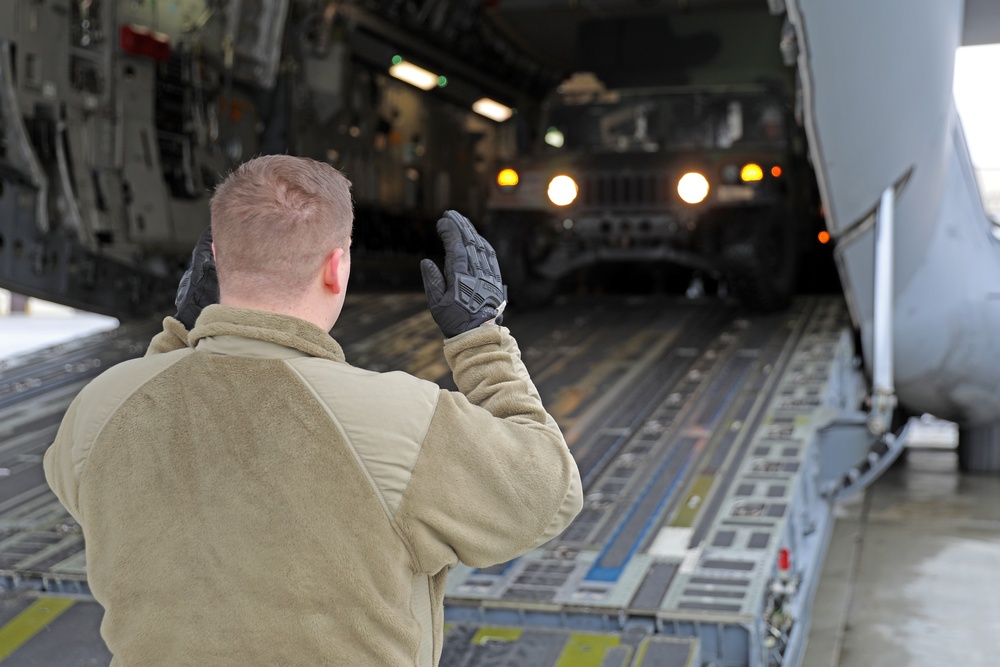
[249, 498]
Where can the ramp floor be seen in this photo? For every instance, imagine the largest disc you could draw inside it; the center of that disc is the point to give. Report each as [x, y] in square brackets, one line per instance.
[689, 475]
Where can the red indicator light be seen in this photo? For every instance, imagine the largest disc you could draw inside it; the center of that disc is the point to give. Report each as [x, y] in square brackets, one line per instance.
[824, 237]
[776, 171]
[784, 560]
[137, 41]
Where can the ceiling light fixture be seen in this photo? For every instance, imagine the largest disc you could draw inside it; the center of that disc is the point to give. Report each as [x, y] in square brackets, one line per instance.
[492, 109]
[413, 75]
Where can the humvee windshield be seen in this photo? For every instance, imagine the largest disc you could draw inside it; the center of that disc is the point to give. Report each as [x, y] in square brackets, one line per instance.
[663, 122]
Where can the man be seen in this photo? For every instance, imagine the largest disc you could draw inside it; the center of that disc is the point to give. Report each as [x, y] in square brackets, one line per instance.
[249, 498]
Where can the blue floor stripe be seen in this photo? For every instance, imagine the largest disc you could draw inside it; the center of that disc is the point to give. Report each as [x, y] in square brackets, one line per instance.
[599, 572]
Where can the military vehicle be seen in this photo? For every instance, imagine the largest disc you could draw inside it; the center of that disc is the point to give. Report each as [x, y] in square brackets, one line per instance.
[699, 162]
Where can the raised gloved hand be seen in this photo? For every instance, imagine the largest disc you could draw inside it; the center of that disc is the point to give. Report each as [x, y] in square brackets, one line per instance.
[470, 292]
[199, 286]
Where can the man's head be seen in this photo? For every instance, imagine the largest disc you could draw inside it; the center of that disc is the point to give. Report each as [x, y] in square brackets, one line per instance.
[277, 222]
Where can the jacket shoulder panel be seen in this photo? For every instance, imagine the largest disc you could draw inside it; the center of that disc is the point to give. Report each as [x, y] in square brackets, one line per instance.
[100, 399]
[384, 417]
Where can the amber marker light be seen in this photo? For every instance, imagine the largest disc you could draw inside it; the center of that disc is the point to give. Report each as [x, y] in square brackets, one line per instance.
[776, 171]
[562, 190]
[507, 178]
[693, 187]
[751, 172]
[824, 237]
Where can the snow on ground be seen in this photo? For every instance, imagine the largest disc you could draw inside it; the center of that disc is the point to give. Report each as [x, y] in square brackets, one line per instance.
[45, 324]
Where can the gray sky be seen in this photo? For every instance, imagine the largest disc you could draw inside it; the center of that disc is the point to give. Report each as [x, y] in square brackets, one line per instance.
[977, 95]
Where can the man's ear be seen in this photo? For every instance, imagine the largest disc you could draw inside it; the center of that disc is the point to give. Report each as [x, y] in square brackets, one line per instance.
[331, 271]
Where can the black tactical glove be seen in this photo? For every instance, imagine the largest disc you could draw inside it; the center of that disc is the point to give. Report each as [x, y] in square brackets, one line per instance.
[199, 286]
[470, 292]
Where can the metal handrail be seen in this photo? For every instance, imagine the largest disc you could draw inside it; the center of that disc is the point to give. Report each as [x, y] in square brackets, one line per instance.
[883, 388]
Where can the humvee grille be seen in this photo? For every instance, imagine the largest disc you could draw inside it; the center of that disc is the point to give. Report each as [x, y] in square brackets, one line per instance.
[622, 190]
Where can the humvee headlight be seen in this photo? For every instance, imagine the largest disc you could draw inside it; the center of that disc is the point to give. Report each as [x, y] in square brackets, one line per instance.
[507, 177]
[562, 190]
[693, 187]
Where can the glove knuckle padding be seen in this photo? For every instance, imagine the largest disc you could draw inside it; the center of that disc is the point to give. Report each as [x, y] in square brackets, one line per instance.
[473, 289]
[475, 292]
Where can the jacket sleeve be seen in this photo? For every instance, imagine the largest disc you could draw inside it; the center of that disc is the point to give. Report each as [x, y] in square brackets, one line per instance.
[494, 477]
[61, 471]
[173, 337]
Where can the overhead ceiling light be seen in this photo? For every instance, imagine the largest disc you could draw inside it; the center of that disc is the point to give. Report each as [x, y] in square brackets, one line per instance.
[413, 75]
[492, 109]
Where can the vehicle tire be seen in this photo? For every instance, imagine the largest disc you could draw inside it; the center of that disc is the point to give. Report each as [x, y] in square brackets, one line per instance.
[518, 258]
[979, 448]
[761, 260]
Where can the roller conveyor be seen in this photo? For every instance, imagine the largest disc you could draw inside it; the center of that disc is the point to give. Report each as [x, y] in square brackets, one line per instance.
[696, 435]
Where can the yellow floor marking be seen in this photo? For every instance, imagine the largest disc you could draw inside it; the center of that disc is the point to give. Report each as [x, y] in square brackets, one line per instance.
[571, 398]
[586, 650]
[641, 655]
[568, 401]
[30, 622]
[565, 360]
[484, 635]
[693, 502]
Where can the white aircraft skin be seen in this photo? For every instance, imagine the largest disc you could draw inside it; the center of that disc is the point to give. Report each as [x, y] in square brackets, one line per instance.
[879, 111]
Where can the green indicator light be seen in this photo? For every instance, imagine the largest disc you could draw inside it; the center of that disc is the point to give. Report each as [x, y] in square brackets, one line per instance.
[442, 81]
[397, 59]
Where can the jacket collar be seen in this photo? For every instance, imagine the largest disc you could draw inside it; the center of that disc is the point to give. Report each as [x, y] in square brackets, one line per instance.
[229, 330]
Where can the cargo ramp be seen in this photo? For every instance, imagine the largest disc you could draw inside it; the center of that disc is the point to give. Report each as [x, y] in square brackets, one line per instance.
[707, 446]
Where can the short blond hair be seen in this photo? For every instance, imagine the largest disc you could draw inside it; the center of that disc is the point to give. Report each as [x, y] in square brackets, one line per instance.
[275, 219]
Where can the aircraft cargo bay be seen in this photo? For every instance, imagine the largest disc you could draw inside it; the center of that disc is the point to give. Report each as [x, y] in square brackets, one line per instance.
[749, 266]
